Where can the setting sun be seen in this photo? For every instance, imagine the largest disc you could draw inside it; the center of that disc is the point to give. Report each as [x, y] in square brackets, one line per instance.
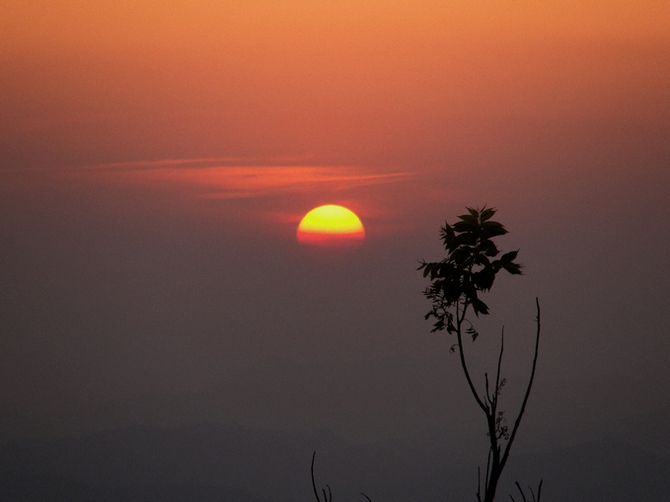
[330, 225]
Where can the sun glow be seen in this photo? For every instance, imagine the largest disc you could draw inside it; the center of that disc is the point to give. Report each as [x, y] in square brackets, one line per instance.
[330, 225]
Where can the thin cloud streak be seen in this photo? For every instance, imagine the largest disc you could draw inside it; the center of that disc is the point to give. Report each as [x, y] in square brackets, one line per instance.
[215, 180]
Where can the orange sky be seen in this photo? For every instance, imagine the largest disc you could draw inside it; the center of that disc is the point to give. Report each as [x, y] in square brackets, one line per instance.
[331, 79]
[377, 86]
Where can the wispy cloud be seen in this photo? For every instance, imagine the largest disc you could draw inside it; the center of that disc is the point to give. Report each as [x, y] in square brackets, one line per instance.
[230, 178]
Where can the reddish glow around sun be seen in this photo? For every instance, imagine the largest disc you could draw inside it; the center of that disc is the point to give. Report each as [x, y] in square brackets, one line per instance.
[330, 225]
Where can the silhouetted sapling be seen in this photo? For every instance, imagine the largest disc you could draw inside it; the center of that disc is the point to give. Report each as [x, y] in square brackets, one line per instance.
[473, 260]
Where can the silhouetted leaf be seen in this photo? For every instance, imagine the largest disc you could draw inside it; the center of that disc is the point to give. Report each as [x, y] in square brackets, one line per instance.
[508, 257]
[448, 231]
[470, 330]
[493, 229]
[489, 248]
[485, 278]
[479, 306]
[512, 268]
[486, 214]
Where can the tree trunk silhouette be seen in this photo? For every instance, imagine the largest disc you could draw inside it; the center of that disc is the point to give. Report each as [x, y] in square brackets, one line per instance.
[457, 281]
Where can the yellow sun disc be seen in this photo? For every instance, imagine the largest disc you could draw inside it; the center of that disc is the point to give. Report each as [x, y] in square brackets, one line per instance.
[330, 225]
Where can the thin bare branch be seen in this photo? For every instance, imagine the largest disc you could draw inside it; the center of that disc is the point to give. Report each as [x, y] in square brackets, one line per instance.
[316, 492]
[327, 495]
[487, 390]
[464, 364]
[523, 497]
[528, 389]
[500, 356]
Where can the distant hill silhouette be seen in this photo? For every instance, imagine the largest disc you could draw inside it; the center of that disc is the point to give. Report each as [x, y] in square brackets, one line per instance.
[233, 463]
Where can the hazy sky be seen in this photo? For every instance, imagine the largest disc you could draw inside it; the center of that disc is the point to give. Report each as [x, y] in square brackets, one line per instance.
[156, 158]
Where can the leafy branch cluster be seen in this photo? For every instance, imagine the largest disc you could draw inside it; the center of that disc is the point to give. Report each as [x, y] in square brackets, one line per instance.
[469, 268]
